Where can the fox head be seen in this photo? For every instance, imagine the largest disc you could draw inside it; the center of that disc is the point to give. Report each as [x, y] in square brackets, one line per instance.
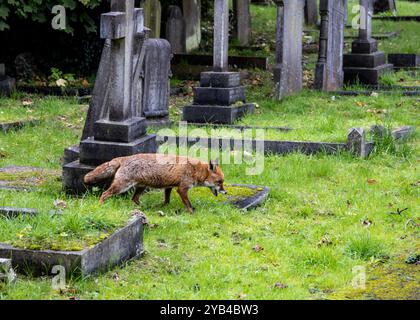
[215, 178]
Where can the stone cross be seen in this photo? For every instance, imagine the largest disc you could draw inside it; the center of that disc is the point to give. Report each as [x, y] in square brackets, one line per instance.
[366, 13]
[118, 26]
[221, 35]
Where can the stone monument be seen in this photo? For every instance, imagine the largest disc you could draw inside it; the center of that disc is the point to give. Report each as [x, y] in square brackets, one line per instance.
[115, 127]
[380, 6]
[7, 84]
[365, 63]
[192, 15]
[311, 12]
[220, 97]
[329, 68]
[152, 16]
[288, 68]
[243, 21]
[175, 29]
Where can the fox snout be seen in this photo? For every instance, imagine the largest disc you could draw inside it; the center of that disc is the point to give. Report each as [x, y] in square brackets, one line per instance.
[216, 189]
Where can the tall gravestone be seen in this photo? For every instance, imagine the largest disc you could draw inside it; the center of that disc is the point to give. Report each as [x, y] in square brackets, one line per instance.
[365, 63]
[215, 101]
[175, 29]
[329, 68]
[380, 6]
[152, 16]
[192, 16]
[156, 84]
[243, 21]
[311, 12]
[7, 84]
[288, 68]
[118, 128]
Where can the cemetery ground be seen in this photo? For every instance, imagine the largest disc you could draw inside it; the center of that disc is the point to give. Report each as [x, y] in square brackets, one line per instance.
[325, 214]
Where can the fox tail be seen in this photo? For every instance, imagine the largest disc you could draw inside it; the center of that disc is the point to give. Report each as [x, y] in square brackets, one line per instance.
[104, 171]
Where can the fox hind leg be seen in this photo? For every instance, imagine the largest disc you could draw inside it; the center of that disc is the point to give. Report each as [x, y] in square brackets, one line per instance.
[136, 196]
[167, 195]
[117, 187]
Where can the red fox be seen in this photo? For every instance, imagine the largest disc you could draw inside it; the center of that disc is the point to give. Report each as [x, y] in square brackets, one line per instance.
[158, 171]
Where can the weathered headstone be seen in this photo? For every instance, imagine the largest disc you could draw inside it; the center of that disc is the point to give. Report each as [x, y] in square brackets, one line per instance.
[7, 274]
[175, 29]
[219, 89]
[365, 63]
[329, 68]
[156, 86]
[7, 84]
[243, 21]
[384, 6]
[311, 12]
[152, 16]
[192, 15]
[288, 68]
[120, 129]
[356, 142]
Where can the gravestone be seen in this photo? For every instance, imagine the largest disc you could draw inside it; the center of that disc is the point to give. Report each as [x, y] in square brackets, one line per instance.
[152, 16]
[175, 29]
[7, 84]
[380, 6]
[192, 16]
[311, 12]
[7, 274]
[220, 97]
[288, 68]
[119, 130]
[365, 63]
[156, 85]
[329, 68]
[243, 21]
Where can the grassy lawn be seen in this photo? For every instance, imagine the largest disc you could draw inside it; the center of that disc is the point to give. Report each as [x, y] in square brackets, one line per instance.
[325, 215]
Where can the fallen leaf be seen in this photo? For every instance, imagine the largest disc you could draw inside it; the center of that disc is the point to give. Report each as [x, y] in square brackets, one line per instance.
[27, 102]
[280, 285]
[257, 248]
[60, 204]
[242, 295]
[371, 181]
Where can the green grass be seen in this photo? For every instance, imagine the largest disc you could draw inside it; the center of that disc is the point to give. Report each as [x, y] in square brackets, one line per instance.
[324, 214]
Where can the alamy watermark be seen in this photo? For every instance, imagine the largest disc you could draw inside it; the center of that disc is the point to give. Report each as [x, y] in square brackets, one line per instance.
[59, 20]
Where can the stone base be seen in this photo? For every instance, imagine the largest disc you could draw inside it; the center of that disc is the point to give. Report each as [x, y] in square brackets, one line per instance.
[71, 154]
[216, 114]
[404, 60]
[157, 123]
[73, 174]
[7, 85]
[366, 75]
[95, 152]
[220, 79]
[364, 46]
[219, 96]
[364, 60]
[120, 131]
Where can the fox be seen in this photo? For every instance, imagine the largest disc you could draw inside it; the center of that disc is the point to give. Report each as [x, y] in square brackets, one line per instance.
[143, 170]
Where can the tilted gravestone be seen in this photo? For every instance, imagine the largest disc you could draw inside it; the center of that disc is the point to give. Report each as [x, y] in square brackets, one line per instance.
[311, 12]
[329, 68]
[192, 15]
[118, 128]
[219, 89]
[384, 5]
[7, 84]
[156, 85]
[243, 21]
[152, 16]
[288, 68]
[175, 29]
[365, 63]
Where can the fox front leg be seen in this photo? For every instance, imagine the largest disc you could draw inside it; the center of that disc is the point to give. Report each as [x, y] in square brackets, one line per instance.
[137, 193]
[183, 193]
[167, 195]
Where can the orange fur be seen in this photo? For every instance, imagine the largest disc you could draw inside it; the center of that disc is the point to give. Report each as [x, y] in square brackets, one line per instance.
[141, 171]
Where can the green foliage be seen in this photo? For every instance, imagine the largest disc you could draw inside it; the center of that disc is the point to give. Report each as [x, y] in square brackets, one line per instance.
[40, 11]
[365, 247]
